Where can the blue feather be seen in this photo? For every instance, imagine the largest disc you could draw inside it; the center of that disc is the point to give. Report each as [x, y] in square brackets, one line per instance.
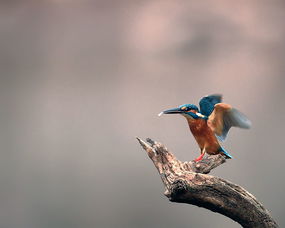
[207, 103]
[225, 153]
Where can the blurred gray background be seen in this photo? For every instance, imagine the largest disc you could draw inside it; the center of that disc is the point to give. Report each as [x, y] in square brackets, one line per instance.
[81, 79]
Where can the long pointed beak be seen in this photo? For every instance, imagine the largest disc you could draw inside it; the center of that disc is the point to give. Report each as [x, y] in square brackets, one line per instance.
[171, 111]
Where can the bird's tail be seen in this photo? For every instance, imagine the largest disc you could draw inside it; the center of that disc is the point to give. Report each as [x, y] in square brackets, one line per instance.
[222, 150]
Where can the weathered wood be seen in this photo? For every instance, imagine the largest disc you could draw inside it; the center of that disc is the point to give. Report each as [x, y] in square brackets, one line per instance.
[188, 182]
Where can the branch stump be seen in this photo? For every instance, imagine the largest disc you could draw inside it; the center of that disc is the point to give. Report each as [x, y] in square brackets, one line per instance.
[189, 182]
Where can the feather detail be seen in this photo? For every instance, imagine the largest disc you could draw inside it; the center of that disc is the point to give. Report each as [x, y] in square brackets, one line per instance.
[207, 103]
[226, 153]
[224, 117]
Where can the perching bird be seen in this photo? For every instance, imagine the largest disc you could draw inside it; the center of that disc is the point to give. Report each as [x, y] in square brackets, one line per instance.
[212, 123]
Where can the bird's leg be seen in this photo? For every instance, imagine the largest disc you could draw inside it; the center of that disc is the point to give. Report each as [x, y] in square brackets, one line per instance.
[201, 156]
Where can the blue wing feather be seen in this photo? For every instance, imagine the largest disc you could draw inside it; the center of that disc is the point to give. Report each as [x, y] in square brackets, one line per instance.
[207, 103]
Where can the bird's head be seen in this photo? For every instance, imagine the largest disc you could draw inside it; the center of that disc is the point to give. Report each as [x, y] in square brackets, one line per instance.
[187, 110]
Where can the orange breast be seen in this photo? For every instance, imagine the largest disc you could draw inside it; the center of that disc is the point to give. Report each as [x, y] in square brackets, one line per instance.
[204, 136]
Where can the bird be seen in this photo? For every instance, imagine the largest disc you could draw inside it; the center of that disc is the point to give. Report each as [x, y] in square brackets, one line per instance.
[211, 123]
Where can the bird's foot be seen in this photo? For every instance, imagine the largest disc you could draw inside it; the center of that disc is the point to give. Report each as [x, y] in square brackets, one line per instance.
[199, 158]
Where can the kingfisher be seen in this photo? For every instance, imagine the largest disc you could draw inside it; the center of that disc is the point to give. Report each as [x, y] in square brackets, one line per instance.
[211, 124]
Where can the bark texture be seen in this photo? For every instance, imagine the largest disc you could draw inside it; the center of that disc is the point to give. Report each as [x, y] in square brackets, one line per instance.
[188, 182]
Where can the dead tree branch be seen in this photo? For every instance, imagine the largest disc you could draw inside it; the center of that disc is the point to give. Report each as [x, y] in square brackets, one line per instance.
[188, 182]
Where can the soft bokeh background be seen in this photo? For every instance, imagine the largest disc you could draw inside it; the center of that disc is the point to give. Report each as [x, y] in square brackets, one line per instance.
[81, 79]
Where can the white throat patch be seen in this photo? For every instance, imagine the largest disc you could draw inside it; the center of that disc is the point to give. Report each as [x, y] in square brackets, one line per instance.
[199, 114]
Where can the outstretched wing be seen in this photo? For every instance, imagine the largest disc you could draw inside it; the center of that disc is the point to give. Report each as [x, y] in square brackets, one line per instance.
[207, 103]
[224, 117]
